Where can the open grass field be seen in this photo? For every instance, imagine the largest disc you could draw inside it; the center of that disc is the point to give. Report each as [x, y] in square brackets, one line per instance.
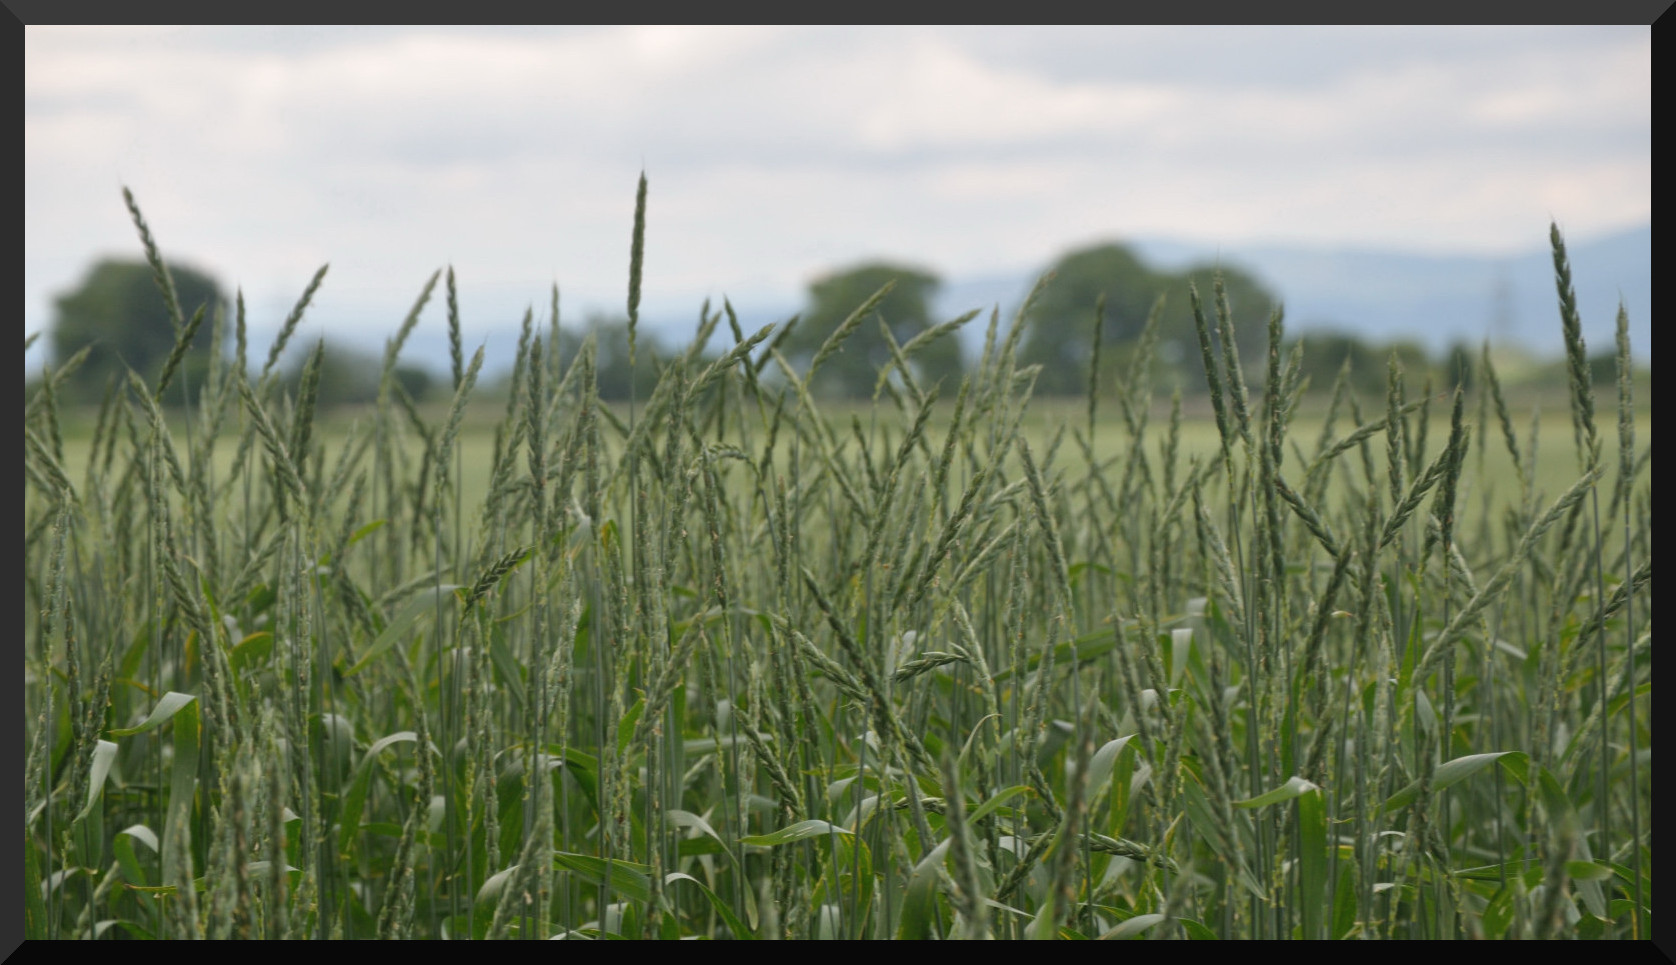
[1494, 477]
[738, 663]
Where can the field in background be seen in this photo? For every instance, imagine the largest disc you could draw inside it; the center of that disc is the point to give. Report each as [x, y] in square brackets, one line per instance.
[1492, 477]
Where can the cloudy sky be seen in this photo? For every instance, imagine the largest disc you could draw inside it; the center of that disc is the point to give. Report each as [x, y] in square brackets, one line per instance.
[775, 154]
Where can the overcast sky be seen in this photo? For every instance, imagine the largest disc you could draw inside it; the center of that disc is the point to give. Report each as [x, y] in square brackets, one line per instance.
[776, 154]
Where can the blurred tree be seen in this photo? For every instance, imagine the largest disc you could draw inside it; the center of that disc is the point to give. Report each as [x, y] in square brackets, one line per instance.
[1325, 352]
[611, 365]
[1060, 335]
[118, 311]
[1603, 371]
[1459, 366]
[349, 376]
[854, 370]
[1416, 365]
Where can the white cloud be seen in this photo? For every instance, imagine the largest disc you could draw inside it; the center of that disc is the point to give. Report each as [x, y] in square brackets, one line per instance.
[775, 153]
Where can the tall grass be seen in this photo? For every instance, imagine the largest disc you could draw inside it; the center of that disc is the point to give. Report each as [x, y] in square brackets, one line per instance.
[751, 665]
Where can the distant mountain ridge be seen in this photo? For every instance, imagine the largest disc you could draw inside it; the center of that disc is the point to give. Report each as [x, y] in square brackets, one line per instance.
[1435, 300]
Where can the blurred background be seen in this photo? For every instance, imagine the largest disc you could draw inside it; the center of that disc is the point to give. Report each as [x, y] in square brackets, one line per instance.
[1392, 187]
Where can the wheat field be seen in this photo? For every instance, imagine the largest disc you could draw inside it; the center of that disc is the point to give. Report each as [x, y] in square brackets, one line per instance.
[737, 662]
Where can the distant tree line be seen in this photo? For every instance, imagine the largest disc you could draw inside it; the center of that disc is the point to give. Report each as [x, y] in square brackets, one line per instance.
[1104, 296]
[1101, 294]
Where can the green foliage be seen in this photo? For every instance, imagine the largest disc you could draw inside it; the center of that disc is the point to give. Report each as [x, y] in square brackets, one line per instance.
[1460, 367]
[1061, 333]
[118, 314]
[349, 376]
[1603, 369]
[853, 371]
[617, 381]
[1326, 352]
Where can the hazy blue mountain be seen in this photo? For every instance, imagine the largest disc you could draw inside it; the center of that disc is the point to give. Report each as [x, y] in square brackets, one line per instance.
[1385, 295]
[1438, 300]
